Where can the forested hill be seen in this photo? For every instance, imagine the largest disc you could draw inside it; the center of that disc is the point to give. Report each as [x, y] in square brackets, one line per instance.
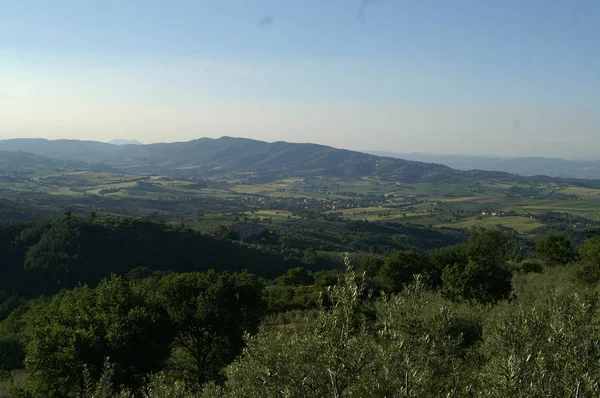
[21, 162]
[48, 255]
[228, 156]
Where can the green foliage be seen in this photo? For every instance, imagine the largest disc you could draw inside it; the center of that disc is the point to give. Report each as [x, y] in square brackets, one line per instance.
[551, 349]
[154, 333]
[232, 235]
[588, 270]
[416, 343]
[80, 329]
[443, 257]
[12, 353]
[321, 360]
[531, 266]
[399, 269]
[378, 238]
[476, 282]
[8, 304]
[45, 257]
[371, 267]
[296, 277]
[487, 246]
[285, 298]
[415, 351]
[483, 278]
[422, 345]
[209, 313]
[555, 249]
[310, 256]
[324, 279]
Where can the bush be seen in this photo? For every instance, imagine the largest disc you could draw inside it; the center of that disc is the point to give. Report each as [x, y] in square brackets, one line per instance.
[555, 249]
[528, 266]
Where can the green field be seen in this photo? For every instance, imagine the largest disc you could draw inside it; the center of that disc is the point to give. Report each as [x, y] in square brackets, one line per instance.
[519, 224]
[367, 198]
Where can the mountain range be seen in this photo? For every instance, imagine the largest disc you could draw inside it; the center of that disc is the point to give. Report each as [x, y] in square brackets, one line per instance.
[236, 158]
[227, 157]
[525, 166]
[22, 161]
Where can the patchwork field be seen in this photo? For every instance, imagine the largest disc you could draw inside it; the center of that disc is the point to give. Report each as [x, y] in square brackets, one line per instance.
[367, 198]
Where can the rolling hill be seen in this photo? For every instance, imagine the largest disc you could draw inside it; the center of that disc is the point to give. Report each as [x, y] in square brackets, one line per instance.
[229, 157]
[249, 161]
[22, 162]
[525, 166]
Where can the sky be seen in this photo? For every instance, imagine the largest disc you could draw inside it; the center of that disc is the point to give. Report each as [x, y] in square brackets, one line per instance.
[509, 78]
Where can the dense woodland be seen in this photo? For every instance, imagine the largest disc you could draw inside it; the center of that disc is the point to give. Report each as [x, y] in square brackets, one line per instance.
[105, 306]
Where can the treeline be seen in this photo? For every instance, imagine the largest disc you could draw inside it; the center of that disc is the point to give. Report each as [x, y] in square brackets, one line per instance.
[187, 325]
[381, 238]
[45, 256]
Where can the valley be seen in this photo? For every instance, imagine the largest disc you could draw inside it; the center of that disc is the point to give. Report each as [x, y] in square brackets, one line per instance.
[283, 189]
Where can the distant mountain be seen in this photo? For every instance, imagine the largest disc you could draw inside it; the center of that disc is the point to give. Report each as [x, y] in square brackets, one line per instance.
[248, 160]
[71, 150]
[125, 142]
[525, 166]
[234, 157]
[21, 161]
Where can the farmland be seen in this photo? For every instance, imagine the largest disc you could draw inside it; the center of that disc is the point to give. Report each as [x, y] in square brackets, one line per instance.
[525, 208]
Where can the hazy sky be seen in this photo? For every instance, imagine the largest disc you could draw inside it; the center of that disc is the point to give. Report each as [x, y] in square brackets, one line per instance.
[503, 77]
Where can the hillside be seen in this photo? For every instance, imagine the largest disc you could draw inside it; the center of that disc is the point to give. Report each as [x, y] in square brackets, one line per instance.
[525, 166]
[251, 161]
[23, 163]
[228, 157]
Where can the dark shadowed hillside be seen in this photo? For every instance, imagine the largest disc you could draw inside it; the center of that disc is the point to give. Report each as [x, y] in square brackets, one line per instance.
[22, 162]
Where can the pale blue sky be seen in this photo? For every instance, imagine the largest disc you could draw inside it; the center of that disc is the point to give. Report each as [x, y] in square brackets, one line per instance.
[454, 76]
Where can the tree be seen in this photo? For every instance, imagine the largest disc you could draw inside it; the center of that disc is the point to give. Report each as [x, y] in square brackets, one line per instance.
[549, 349]
[11, 352]
[325, 358]
[487, 246]
[82, 328]
[399, 269]
[417, 352]
[232, 235]
[210, 313]
[589, 253]
[296, 277]
[324, 279]
[480, 274]
[477, 282]
[443, 257]
[310, 256]
[555, 249]
[371, 266]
